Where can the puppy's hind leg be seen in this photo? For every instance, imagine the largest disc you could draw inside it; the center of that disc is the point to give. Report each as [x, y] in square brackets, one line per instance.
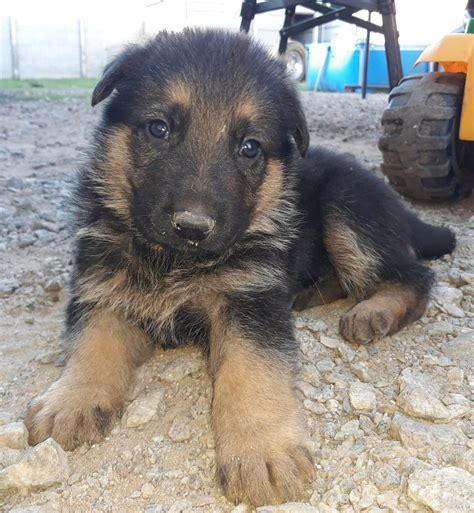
[82, 404]
[392, 284]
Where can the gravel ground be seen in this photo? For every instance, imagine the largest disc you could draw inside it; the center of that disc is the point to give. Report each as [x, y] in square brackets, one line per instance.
[391, 424]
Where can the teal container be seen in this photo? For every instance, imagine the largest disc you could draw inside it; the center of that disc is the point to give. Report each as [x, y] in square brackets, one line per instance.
[335, 66]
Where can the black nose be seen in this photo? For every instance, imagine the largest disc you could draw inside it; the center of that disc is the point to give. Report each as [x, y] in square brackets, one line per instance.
[192, 225]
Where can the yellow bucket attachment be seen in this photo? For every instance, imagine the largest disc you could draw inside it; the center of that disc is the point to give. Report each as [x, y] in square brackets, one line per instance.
[455, 53]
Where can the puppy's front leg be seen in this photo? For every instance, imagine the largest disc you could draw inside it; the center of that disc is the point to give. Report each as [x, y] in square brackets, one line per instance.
[82, 404]
[262, 455]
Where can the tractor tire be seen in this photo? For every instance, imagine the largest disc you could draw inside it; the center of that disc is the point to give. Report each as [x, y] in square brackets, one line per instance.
[295, 59]
[420, 146]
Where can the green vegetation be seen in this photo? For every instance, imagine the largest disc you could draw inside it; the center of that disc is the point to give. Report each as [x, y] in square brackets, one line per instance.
[48, 83]
[46, 88]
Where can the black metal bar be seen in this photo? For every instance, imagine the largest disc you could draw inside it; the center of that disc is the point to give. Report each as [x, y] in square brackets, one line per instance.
[366, 60]
[392, 46]
[335, 14]
[368, 5]
[247, 12]
[289, 15]
[349, 19]
[273, 5]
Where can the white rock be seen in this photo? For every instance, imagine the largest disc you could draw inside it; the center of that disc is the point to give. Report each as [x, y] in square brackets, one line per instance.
[362, 396]
[331, 343]
[180, 430]
[467, 461]
[143, 409]
[461, 348]
[241, 508]
[14, 435]
[181, 367]
[419, 396]
[289, 507]
[9, 456]
[42, 466]
[444, 490]
[147, 490]
[447, 295]
[6, 417]
[436, 442]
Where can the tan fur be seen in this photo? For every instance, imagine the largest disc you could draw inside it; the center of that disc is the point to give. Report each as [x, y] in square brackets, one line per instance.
[321, 293]
[262, 456]
[249, 109]
[355, 264]
[271, 204]
[179, 92]
[82, 404]
[113, 171]
[388, 309]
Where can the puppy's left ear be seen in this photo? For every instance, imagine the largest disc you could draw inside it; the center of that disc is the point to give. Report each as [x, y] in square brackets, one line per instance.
[114, 72]
[300, 130]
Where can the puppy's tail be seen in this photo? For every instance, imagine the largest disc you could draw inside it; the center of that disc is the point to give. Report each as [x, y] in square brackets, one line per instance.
[431, 241]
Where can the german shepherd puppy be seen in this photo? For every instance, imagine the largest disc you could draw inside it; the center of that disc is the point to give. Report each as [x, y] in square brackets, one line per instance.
[199, 220]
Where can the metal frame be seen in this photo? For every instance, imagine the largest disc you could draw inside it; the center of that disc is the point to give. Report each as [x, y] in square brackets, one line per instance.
[343, 10]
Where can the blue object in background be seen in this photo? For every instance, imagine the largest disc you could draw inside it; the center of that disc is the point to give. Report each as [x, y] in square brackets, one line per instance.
[333, 66]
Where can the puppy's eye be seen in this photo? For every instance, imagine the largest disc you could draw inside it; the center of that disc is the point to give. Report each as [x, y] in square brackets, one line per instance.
[250, 148]
[159, 129]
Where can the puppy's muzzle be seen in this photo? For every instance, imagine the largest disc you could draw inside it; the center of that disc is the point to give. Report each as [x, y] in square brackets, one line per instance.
[192, 225]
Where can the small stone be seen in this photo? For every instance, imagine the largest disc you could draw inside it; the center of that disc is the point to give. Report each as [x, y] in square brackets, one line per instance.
[435, 442]
[362, 396]
[314, 407]
[346, 352]
[385, 476]
[454, 311]
[362, 371]
[289, 507]
[42, 466]
[142, 410]
[14, 435]
[466, 461]
[180, 430]
[53, 285]
[443, 328]
[241, 508]
[461, 348]
[181, 367]
[48, 356]
[419, 400]
[9, 456]
[147, 491]
[8, 287]
[6, 417]
[25, 240]
[331, 343]
[443, 490]
[15, 182]
[448, 295]
[455, 376]
[155, 508]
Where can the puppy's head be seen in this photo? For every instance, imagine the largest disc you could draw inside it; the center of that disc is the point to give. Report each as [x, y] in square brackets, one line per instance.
[197, 139]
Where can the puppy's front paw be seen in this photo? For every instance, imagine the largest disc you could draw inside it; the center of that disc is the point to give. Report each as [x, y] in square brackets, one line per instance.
[263, 469]
[72, 413]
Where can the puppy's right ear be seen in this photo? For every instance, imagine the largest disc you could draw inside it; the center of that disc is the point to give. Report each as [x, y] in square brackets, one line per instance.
[114, 72]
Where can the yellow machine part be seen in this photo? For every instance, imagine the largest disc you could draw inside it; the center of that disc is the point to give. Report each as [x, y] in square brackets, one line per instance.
[455, 53]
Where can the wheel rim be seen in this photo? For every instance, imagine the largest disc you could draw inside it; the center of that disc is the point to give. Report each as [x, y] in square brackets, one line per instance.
[295, 65]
